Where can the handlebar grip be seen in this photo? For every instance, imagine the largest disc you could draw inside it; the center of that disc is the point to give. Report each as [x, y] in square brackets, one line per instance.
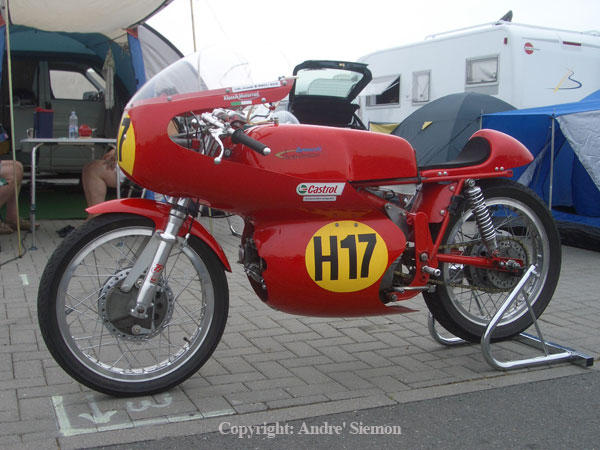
[239, 137]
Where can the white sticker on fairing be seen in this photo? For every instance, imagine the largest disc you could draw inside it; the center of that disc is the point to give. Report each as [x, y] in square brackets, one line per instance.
[253, 87]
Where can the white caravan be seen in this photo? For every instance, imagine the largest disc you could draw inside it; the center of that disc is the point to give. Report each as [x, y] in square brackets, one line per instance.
[526, 66]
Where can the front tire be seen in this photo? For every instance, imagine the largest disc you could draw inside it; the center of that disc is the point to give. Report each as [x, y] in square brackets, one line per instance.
[466, 298]
[83, 315]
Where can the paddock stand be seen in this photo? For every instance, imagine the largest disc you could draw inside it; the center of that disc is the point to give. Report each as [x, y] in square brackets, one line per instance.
[553, 353]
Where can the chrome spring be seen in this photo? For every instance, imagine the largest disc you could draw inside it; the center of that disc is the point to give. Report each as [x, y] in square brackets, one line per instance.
[482, 215]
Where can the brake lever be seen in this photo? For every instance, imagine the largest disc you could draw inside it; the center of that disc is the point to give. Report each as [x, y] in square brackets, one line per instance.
[216, 134]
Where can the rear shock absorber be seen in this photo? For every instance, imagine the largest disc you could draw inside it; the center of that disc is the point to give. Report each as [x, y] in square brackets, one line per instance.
[482, 215]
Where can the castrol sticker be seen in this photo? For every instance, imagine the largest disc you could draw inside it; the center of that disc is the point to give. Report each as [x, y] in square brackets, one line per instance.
[346, 256]
[320, 192]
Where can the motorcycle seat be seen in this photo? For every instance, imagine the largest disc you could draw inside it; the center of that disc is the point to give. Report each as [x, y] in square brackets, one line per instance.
[475, 152]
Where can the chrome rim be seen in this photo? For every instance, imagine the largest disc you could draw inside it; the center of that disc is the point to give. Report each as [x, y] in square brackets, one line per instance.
[477, 294]
[90, 309]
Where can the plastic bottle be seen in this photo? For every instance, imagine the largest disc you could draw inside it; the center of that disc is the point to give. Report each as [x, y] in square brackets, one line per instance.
[73, 126]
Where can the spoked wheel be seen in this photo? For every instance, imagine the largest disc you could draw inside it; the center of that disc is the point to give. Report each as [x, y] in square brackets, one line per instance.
[84, 316]
[467, 297]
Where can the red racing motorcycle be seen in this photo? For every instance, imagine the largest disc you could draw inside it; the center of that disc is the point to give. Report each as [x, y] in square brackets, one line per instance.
[338, 222]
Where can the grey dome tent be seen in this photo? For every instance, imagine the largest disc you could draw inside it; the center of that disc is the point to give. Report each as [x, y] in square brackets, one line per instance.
[439, 130]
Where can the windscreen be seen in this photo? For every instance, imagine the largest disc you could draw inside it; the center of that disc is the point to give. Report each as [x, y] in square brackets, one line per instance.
[211, 68]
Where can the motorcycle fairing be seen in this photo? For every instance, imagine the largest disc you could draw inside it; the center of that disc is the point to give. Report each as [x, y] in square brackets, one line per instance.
[150, 118]
[350, 276]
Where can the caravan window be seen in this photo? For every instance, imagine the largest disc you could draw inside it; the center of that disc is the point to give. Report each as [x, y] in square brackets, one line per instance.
[383, 91]
[482, 70]
[75, 83]
[421, 86]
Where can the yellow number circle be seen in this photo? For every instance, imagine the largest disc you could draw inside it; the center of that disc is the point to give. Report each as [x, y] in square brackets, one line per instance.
[126, 145]
[346, 256]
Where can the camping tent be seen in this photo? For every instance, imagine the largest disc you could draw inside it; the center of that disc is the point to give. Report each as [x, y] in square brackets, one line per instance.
[87, 30]
[439, 130]
[564, 140]
[91, 27]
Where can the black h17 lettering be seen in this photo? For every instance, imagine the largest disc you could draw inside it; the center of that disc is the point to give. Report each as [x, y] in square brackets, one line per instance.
[348, 243]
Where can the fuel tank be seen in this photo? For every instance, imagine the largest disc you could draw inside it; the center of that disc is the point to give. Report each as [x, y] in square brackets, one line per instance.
[317, 153]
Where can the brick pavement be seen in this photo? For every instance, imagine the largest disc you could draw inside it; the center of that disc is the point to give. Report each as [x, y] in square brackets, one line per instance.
[269, 366]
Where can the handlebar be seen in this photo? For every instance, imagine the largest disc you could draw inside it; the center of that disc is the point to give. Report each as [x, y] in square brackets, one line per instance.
[239, 137]
[218, 121]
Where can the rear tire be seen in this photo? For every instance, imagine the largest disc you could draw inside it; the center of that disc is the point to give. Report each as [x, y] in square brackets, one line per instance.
[84, 319]
[466, 298]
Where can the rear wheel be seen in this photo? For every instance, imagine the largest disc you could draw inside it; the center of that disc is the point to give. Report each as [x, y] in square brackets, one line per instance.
[84, 316]
[466, 297]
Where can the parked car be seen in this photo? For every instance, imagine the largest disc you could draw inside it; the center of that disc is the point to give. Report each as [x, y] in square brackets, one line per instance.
[325, 93]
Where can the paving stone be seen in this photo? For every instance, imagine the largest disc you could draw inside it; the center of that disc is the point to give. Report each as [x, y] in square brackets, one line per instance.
[256, 396]
[272, 370]
[303, 362]
[310, 375]
[264, 357]
[296, 401]
[373, 359]
[342, 367]
[304, 336]
[351, 380]
[28, 369]
[388, 384]
[235, 378]
[316, 389]
[271, 383]
[267, 344]
[210, 406]
[36, 408]
[301, 349]
[337, 354]
[8, 400]
[236, 364]
[250, 408]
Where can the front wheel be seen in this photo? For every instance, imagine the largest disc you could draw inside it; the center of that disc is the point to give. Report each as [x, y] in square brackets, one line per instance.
[84, 316]
[466, 297]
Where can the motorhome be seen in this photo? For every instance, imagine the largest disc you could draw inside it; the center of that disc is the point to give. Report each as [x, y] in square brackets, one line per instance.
[526, 66]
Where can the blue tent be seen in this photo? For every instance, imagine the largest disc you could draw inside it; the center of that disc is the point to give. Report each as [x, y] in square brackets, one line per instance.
[565, 141]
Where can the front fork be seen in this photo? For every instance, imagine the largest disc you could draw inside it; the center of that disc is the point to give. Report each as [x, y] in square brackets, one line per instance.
[152, 260]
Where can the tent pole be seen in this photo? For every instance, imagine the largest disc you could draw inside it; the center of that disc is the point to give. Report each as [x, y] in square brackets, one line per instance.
[551, 164]
[5, 13]
[193, 25]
